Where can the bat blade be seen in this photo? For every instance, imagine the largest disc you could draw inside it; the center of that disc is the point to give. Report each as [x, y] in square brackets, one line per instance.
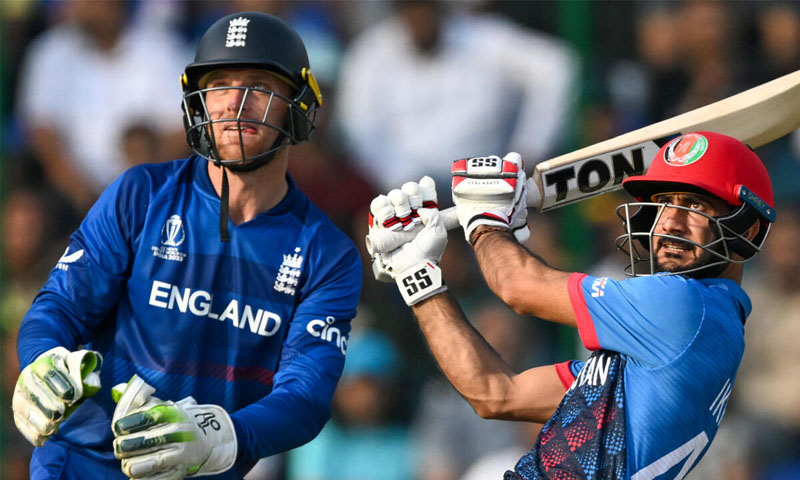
[756, 117]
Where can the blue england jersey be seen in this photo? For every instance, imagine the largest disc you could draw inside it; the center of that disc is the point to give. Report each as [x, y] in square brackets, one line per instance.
[648, 402]
[257, 325]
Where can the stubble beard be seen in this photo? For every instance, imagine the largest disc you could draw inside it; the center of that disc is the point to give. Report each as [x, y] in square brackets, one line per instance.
[671, 263]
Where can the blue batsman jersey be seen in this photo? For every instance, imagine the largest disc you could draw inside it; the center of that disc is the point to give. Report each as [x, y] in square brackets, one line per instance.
[649, 401]
[258, 325]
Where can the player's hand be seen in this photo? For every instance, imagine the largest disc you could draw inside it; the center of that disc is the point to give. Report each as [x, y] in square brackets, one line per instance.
[414, 266]
[399, 210]
[158, 439]
[491, 191]
[51, 388]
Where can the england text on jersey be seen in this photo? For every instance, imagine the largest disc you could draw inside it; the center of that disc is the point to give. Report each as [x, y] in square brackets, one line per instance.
[199, 302]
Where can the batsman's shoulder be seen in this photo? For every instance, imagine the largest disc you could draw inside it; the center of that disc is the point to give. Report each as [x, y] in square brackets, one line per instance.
[654, 288]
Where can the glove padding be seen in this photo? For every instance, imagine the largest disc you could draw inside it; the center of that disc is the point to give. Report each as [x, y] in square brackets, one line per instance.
[414, 266]
[51, 388]
[491, 191]
[398, 210]
[158, 439]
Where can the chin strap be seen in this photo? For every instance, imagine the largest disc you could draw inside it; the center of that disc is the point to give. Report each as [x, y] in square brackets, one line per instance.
[224, 234]
[260, 161]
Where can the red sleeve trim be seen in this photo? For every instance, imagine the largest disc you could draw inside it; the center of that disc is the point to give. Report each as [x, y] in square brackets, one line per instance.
[565, 374]
[582, 315]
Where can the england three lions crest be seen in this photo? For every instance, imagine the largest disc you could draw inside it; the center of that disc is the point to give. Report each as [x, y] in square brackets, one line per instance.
[289, 273]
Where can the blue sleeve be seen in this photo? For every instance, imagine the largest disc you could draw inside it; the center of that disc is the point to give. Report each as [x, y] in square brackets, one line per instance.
[86, 283]
[311, 363]
[649, 319]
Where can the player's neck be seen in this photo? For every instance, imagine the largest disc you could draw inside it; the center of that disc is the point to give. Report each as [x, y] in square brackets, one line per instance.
[254, 192]
[734, 271]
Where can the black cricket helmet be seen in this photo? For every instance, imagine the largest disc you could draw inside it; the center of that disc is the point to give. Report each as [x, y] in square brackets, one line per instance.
[251, 40]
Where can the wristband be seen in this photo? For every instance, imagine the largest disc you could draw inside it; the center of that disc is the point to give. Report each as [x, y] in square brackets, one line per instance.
[478, 235]
[419, 282]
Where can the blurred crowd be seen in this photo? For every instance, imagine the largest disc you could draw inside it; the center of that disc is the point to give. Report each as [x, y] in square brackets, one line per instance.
[90, 87]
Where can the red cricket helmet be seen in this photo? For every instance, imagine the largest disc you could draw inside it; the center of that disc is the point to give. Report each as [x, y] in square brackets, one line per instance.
[707, 163]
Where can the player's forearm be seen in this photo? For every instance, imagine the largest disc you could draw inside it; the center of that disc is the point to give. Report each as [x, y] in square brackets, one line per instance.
[523, 280]
[469, 362]
[283, 420]
[47, 324]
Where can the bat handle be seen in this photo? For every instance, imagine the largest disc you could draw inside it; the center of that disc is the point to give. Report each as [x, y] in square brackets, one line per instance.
[382, 241]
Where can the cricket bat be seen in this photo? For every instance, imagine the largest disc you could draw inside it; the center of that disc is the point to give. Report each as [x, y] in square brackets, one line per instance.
[756, 117]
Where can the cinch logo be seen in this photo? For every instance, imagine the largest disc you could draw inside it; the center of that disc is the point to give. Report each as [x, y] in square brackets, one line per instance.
[172, 236]
[326, 331]
[685, 150]
[598, 286]
[198, 303]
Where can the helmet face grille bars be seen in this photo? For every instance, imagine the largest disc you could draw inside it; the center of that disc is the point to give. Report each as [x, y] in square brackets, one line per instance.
[199, 124]
[251, 40]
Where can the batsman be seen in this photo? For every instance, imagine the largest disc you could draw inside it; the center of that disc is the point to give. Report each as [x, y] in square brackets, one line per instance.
[666, 343]
[208, 292]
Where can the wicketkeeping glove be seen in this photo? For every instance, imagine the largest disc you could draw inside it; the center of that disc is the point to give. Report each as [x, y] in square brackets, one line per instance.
[414, 266]
[51, 388]
[491, 191]
[158, 439]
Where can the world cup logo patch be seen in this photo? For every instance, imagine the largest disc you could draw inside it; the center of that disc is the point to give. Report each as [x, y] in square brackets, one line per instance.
[172, 236]
[172, 233]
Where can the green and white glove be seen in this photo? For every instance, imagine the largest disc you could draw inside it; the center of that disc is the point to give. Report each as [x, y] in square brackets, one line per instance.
[165, 440]
[491, 191]
[414, 266]
[51, 388]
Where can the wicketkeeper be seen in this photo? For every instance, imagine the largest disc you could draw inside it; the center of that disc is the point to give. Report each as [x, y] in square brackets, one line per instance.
[208, 291]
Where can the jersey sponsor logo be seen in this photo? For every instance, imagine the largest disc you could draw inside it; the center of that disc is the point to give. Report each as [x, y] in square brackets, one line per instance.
[289, 273]
[66, 259]
[199, 303]
[594, 372]
[172, 236]
[237, 32]
[598, 286]
[326, 331]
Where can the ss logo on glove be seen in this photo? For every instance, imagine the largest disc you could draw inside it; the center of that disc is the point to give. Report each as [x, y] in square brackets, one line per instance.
[484, 162]
[419, 280]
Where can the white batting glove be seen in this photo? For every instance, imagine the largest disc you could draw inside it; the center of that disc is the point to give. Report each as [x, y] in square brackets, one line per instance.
[414, 266]
[398, 210]
[491, 191]
[389, 212]
[158, 439]
[51, 388]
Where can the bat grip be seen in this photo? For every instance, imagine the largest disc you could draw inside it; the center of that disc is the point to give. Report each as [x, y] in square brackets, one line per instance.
[382, 241]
